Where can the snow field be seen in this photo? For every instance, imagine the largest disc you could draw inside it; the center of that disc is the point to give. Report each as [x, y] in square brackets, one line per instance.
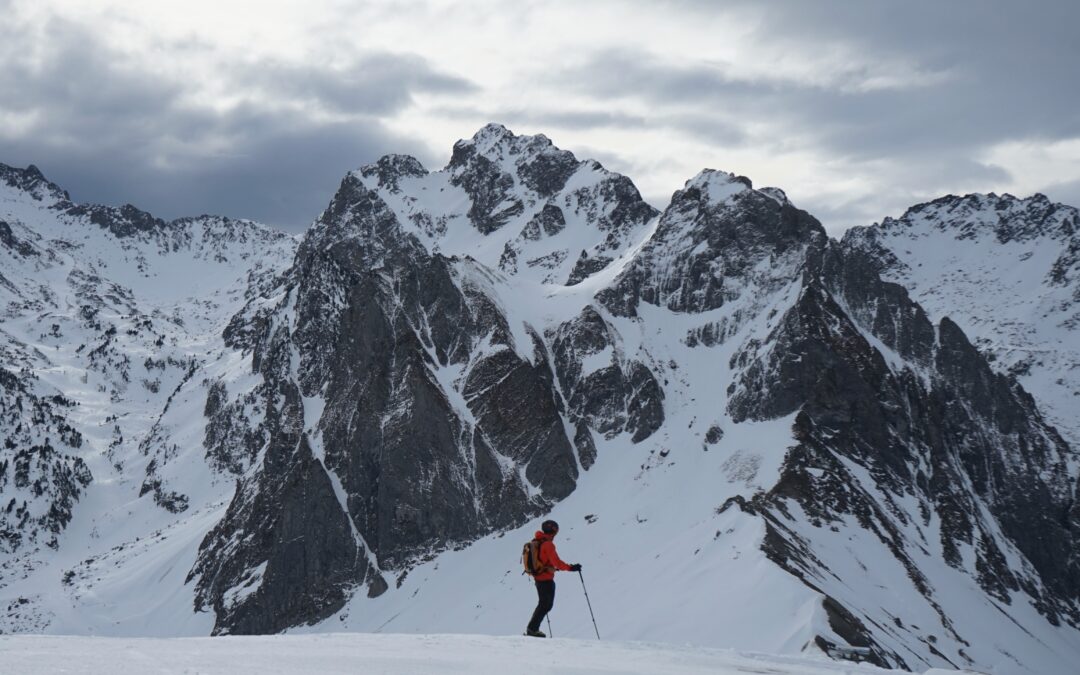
[347, 654]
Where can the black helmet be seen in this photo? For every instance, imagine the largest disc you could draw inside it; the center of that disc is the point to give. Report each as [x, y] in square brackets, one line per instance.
[549, 527]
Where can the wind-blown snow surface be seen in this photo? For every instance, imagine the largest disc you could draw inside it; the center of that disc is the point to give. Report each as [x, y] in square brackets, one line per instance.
[333, 654]
[560, 251]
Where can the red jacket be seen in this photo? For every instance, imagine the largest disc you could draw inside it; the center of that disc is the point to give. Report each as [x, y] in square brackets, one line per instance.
[549, 558]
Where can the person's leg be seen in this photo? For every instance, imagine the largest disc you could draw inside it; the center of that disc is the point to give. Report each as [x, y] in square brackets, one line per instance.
[545, 591]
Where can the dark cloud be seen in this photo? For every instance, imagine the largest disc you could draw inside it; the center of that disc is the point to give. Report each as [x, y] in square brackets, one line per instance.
[547, 118]
[1067, 192]
[376, 84]
[958, 110]
[924, 90]
[573, 119]
[699, 125]
[930, 88]
[283, 172]
[1002, 46]
[111, 130]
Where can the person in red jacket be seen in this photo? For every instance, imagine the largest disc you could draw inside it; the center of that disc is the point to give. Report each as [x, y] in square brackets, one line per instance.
[545, 579]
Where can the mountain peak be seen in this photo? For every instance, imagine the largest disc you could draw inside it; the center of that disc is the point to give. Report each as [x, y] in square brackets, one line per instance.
[497, 143]
[31, 181]
[718, 185]
[389, 169]
[492, 132]
[1006, 216]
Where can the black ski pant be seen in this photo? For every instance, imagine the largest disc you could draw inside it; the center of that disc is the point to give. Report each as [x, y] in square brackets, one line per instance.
[546, 591]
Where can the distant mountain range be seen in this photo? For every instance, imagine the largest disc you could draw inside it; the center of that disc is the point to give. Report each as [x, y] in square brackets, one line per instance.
[754, 435]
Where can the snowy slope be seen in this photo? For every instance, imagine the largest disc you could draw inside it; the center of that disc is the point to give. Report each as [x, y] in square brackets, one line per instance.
[391, 655]
[122, 314]
[623, 504]
[1007, 270]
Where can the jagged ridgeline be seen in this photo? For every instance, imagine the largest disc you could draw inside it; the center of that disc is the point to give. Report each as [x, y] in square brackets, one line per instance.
[448, 354]
[407, 401]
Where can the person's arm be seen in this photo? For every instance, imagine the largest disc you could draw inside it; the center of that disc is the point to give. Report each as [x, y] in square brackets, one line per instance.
[552, 559]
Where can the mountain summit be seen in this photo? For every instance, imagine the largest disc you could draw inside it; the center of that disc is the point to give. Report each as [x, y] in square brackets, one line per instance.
[753, 435]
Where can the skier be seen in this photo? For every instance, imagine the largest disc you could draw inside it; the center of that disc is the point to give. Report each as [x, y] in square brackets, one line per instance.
[545, 578]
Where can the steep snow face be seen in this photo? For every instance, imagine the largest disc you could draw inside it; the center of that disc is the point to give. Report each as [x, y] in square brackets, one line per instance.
[1006, 270]
[917, 465]
[404, 354]
[543, 215]
[413, 393]
[719, 240]
[111, 320]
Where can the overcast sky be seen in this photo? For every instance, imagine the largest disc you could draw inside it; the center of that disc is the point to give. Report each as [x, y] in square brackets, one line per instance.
[857, 109]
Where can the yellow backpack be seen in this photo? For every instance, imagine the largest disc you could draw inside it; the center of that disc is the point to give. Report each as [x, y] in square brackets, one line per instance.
[530, 558]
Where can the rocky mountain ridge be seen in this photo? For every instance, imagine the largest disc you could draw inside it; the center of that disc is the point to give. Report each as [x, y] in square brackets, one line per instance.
[450, 354]
[1007, 270]
[106, 313]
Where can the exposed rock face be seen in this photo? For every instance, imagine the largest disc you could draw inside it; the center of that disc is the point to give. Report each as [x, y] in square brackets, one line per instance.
[587, 266]
[20, 247]
[609, 392]
[440, 417]
[448, 351]
[1007, 271]
[536, 208]
[106, 316]
[437, 416]
[889, 411]
[41, 479]
[423, 391]
[231, 444]
[32, 182]
[922, 414]
[304, 560]
[712, 241]
[489, 188]
[125, 221]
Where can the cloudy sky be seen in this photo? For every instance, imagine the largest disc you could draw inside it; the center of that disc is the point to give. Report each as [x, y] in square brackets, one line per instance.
[256, 109]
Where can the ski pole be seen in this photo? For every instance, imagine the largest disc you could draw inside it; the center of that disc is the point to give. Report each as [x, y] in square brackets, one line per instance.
[580, 576]
[550, 634]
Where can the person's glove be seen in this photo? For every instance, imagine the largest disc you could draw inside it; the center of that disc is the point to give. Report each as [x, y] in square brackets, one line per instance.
[575, 567]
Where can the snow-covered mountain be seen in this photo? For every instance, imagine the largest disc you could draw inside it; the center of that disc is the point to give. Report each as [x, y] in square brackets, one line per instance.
[750, 437]
[1007, 270]
[345, 654]
[107, 313]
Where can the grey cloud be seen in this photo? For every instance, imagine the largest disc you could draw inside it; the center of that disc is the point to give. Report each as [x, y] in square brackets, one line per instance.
[284, 176]
[999, 38]
[925, 140]
[376, 84]
[111, 131]
[544, 117]
[574, 119]
[625, 73]
[699, 125]
[707, 126]
[1067, 192]
[72, 77]
[1010, 74]
[954, 112]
